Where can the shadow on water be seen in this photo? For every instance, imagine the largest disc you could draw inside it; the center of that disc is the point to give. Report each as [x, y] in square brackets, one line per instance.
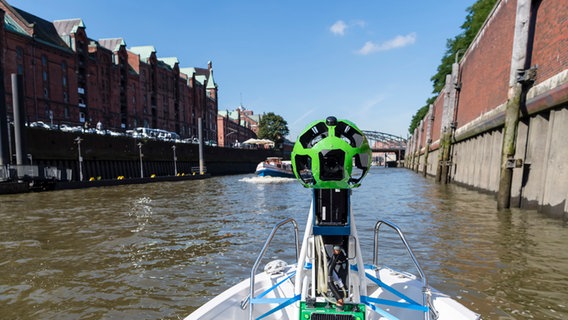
[161, 250]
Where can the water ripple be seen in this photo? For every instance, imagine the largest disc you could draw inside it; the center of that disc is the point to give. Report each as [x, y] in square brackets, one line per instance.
[159, 251]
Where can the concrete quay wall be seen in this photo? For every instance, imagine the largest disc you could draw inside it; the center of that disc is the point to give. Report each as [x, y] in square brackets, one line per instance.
[106, 157]
[466, 136]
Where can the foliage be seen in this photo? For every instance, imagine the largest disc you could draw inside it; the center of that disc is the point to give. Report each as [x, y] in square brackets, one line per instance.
[456, 47]
[273, 127]
[420, 114]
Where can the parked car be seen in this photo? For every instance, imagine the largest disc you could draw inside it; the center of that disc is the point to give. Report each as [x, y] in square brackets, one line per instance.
[40, 124]
[68, 128]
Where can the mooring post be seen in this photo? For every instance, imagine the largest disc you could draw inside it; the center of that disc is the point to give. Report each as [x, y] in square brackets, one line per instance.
[200, 134]
[426, 154]
[19, 116]
[446, 141]
[512, 111]
[4, 126]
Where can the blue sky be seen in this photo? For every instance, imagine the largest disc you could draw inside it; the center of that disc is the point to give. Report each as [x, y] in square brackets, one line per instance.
[366, 61]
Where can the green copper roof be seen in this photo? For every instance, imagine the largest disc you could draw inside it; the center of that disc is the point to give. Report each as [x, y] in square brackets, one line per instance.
[211, 82]
[170, 61]
[11, 25]
[188, 71]
[201, 79]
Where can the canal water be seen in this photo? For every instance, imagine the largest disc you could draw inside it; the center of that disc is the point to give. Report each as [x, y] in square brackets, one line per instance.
[158, 251]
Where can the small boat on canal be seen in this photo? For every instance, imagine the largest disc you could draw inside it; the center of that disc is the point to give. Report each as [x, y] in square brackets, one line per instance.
[275, 167]
[329, 279]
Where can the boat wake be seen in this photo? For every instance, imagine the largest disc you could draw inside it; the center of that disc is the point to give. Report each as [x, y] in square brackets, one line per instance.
[267, 180]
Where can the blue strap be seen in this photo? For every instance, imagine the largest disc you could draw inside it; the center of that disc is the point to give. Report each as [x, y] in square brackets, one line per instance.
[411, 304]
[283, 305]
[391, 303]
[268, 300]
[378, 310]
[274, 286]
[283, 302]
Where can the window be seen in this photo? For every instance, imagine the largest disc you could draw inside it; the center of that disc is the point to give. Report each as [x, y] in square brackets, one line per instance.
[44, 67]
[64, 74]
[19, 54]
[20, 60]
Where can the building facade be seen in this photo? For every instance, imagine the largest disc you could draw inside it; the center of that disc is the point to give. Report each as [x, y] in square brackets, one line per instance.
[235, 127]
[71, 79]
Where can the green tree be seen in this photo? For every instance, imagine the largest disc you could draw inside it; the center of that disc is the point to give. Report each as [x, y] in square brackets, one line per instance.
[273, 127]
[420, 114]
[455, 48]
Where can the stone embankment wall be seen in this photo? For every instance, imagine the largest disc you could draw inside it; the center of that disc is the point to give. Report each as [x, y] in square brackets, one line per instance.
[109, 157]
[501, 123]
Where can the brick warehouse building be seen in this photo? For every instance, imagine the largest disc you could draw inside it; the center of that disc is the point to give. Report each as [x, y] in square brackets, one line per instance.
[72, 79]
[235, 127]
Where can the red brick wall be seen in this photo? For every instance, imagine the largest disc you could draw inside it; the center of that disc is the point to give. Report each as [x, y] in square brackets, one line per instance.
[178, 101]
[37, 104]
[550, 51]
[485, 67]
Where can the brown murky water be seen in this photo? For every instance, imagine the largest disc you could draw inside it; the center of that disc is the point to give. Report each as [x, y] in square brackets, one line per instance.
[158, 251]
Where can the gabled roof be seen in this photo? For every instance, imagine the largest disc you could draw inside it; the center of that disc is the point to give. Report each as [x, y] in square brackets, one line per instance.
[68, 26]
[113, 44]
[201, 74]
[44, 30]
[170, 61]
[201, 79]
[211, 82]
[10, 24]
[188, 71]
[143, 51]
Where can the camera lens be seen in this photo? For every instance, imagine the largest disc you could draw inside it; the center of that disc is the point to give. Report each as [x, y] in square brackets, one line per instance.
[331, 164]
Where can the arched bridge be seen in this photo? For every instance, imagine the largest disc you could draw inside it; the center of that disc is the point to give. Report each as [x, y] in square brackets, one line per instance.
[386, 143]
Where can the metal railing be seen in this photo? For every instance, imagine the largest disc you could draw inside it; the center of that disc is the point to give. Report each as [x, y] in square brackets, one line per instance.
[426, 294]
[246, 301]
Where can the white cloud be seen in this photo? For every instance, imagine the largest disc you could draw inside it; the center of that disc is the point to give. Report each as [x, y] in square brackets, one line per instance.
[338, 28]
[396, 42]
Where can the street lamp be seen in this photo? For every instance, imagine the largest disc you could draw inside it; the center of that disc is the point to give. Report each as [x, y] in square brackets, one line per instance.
[78, 141]
[141, 155]
[175, 161]
[228, 134]
[31, 169]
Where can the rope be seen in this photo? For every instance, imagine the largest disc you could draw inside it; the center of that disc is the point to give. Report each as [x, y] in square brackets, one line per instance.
[321, 262]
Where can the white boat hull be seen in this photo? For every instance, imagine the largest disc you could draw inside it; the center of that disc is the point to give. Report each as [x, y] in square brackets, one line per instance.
[309, 290]
[274, 167]
[227, 305]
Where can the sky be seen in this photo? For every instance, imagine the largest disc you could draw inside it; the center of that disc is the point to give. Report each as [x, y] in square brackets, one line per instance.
[369, 61]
